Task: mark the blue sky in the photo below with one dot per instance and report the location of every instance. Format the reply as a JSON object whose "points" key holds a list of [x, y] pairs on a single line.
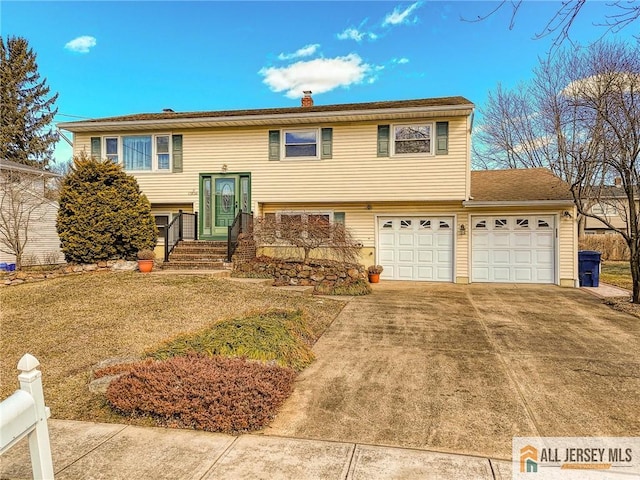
{"points": [[124, 57]]}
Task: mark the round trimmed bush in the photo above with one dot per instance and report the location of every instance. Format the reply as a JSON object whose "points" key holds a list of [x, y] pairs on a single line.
{"points": [[103, 214]]}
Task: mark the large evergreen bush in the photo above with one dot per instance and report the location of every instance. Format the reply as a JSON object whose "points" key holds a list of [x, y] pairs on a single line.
{"points": [[103, 214]]}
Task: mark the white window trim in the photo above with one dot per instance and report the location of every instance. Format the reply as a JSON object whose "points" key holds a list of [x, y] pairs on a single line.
{"points": [[283, 144], [154, 152], [392, 140]]}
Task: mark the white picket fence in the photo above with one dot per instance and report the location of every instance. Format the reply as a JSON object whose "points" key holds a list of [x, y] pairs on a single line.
{"points": [[24, 414]]}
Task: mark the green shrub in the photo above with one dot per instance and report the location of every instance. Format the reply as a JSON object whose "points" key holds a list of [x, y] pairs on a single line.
{"points": [[229, 395], [279, 336], [103, 214]]}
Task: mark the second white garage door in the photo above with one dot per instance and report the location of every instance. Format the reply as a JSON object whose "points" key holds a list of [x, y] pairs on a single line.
{"points": [[514, 249], [416, 248]]}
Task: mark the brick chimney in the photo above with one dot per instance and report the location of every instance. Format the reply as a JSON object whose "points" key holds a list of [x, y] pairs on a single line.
{"points": [[618, 182], [307, 101]]}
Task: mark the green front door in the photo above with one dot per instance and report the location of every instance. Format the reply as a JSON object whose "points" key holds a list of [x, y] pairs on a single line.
{"points": [[221, 198]]}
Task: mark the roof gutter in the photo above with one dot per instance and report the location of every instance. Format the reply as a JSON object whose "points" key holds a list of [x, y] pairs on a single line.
{"points": [[516, 203], [249, 120]]}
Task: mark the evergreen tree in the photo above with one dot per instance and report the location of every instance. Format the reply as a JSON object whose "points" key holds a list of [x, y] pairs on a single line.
{"points": [[26, 109], [103, 215]]}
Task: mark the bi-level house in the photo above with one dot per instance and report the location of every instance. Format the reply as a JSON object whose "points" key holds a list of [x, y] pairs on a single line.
{"points": [[397, 173]]}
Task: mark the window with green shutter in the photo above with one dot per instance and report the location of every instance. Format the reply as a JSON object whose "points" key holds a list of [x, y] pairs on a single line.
{"points": [[274, 144], [327, 143], [339, 217], [96, 147], [383, 140], [442, 138], [176, 143]]}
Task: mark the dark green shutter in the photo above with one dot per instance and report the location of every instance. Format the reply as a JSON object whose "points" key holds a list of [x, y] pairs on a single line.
{"points": [[442, 138], [96, 147], [327, 143], [177, 153], [338, 217], [274, 144], [383, 140]]}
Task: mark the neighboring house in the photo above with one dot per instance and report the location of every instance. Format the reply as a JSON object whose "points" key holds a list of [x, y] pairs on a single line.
{"points": [[612, 205], [397, 173], [26, 209]]}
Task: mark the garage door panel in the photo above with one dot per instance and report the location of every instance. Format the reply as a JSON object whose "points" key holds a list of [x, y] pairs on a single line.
{"points": [[501, 239], [513, 249], [544, 240], [522, 256], [406, 256], [502, 256], [405, 272], [481, 239], [425, 256], [501, 274], [522, 239], [425, 239], [386, 239], [523, 274], [425, 273], [416, 248], [387, 256], [405, 239]]}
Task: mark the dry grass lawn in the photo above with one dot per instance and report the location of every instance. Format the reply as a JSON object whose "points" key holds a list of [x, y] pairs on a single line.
{"points": [[616, 273], [72, 323]]}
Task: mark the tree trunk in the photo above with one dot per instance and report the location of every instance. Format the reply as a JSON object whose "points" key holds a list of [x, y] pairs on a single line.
{"points": [[634, 263]]}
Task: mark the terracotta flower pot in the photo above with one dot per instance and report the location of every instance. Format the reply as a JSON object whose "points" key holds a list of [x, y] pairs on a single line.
{"points": [[145, 266], [374, 278]]}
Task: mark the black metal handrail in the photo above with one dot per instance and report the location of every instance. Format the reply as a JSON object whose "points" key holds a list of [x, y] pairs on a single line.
{"points": [[182, 227], [243, 223]]}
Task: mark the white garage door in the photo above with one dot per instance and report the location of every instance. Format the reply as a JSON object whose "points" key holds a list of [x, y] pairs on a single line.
{"points": [[517, 249], [416, 248]]}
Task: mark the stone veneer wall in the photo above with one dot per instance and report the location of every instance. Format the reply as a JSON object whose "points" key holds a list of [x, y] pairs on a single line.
{"points": [[291, 272]]}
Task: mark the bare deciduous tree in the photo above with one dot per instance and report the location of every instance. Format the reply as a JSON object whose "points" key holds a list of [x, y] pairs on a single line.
{"points": [[580, 116], [621, 14], [306, 232], [21, 206]]}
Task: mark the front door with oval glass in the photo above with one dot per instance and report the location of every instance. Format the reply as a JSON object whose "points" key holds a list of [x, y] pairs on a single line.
{"points": [[222, 197]]}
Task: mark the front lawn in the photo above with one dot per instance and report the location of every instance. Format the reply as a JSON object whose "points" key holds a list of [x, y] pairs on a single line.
{"points": [[616, 273], [72, 323]]}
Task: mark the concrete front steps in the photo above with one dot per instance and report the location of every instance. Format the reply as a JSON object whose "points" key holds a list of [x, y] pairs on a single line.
{"points": [[198, 255]]}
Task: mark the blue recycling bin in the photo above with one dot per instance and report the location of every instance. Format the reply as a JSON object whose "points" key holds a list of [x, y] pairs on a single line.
{"points": [[589, 268]]}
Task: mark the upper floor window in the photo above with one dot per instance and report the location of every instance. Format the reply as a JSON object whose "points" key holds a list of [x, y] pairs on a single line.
{"points": [[301, 143], [412, 139], [139, 152]]}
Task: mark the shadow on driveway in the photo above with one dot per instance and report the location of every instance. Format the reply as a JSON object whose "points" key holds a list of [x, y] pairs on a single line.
{"points": [[464, 368]]}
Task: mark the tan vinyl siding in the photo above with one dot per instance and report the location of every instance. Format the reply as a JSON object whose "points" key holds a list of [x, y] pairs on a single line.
{"points": [[354, 173]]}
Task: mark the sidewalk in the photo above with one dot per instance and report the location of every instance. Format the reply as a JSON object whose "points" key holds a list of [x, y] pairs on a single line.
{"points": [[84, 450], [604, 290]]}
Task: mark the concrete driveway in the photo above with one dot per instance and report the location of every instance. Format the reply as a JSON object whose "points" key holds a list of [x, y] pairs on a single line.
{"points": [[464, 368]]}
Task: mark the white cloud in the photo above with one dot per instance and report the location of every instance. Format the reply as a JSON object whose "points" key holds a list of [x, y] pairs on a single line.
{"points": [[401, 61], [398, 16], [81, 44], [352, 33], [305, 51], [319, 75]]}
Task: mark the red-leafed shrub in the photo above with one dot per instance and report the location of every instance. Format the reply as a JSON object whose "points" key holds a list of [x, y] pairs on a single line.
{"points": [[216, 394]]}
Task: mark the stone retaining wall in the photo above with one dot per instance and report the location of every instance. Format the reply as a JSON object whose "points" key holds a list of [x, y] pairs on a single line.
{"points": [[290, 272], [17, 278]]}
